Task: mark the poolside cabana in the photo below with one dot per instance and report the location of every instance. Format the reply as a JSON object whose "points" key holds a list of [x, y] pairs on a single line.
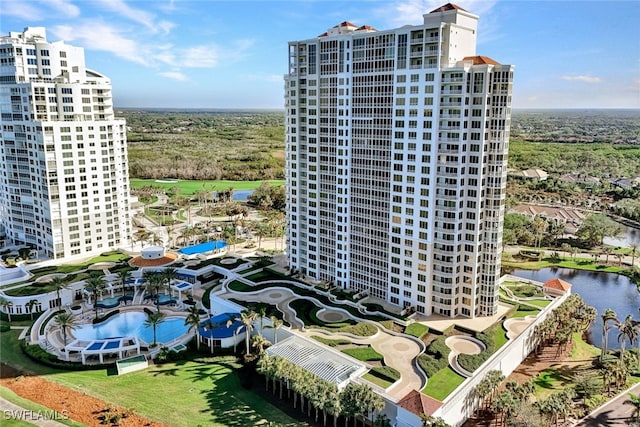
{"points": [[109, 348], [180, 286]]}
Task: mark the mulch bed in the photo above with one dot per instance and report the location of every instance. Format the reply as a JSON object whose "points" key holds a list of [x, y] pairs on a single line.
{"points": [[77, 405]]}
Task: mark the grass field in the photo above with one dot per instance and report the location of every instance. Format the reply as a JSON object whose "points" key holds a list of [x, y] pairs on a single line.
{"points": [[191, 187], [200, 391]]}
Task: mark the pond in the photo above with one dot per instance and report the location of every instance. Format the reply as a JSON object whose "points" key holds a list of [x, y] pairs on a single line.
{"points": [[600, 290], [625, 239]]}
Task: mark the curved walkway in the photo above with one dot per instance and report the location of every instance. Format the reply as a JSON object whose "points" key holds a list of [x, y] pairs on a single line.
{"points": [[399, 351]]}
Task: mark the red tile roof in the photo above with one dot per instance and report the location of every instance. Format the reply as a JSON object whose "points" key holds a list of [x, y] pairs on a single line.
{"points": [[448, 6], [366, 27], [481, 60], [558, 284], [345, 24], [419, 403]]}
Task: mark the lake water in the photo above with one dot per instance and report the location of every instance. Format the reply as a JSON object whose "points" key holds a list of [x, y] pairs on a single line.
{"points": [[630, 235], [600, 290], [241, 195]]}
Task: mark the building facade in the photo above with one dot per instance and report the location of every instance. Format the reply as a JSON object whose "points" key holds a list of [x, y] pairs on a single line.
{"points": [[396, 146], [64, 180]]}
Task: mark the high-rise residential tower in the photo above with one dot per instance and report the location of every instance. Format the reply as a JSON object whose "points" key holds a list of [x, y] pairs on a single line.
{"points": [[396, 147], [64, 180]]}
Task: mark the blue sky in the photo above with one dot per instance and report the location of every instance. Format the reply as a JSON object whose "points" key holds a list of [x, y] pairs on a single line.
{"points": [[233, 54]]}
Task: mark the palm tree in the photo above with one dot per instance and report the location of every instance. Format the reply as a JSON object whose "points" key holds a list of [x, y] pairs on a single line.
{"points": [[634, 249], [275, 324], [95, 285], [32, 303], [193, 320], [154, 284], [123, 277], [169, 274], [66, 321], [6, 305], [153, 320], [607, 250], [58, 283], [608, 316], [627, 331], [261, 314], [230, 321], [248, 318], [634, 402], [259, 342]]}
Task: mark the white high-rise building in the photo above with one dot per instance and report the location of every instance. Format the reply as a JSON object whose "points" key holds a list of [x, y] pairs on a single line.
{"points": [[396, 146], [64, 180]]}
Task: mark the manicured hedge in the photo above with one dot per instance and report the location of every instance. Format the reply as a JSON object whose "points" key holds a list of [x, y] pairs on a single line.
{"points": [[330, 342], [38, 354], [365, 354], [435, 358], [418, 330], [386, 373]]}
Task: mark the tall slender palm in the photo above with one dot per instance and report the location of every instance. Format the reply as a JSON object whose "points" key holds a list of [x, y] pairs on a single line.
{"points": [[608, 316], [123, 277], [193, 321], [155, 283], [30, 305], [248, 318], [634, 402], [95, 285], [627, 331], [6, 306], [153, 320], [230, 322], [634, 249], [261, 314], [275, 324], [58, 283], [169, 274], [66, 322]]}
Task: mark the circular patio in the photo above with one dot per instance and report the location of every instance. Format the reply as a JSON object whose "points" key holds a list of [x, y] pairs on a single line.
{"points": [[331, 316]]}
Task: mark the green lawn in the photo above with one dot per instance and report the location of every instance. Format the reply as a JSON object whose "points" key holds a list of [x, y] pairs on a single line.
{"points": [[416, 329], [364, 354], [377, 380], [206, 391], [191, 187], [442, 384]]}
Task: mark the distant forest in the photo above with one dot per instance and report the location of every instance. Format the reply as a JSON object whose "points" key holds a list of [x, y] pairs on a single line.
{"points": [[249, 145]]}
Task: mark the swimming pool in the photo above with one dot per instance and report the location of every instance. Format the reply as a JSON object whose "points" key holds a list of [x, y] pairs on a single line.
{"points": [[216, 327], [132, 324], [109, 302], [203, 247]]}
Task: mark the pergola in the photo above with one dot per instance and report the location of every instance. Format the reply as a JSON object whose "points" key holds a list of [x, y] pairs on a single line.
{"points": [[326, 363]]}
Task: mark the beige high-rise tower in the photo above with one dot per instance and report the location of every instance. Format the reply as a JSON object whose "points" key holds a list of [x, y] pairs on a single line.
{"points": [[396, 144]]}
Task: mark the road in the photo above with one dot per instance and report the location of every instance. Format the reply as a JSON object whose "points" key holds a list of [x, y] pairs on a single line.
{"points": [[613, 413]]}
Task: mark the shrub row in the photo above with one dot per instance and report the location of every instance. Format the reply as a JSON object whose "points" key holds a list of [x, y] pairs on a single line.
{"points": [[418, 330], [364, 354], [435, 358], [330, 342], [386, 373], [38, 354], [471, 362]]}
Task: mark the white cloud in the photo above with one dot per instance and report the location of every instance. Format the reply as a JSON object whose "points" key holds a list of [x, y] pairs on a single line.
{"points": [[405, 12], [21, 9], [175, 75], [582, 78], [199, 57], [64, 7], [101, 36], [137, 15]]}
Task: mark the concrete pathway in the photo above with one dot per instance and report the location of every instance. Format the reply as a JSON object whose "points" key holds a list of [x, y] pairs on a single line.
{"points": [[398, 351], [11, 411], [612, 413]]}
